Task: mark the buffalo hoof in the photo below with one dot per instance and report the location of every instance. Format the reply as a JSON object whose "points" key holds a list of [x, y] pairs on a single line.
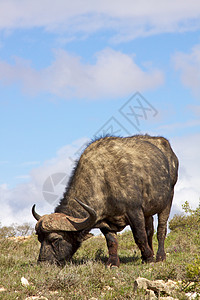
{"points": [[113, 262], [148, 260], [160, 256]]}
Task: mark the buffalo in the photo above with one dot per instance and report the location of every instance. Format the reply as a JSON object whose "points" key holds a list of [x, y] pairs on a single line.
{"points": [[116, 182]]}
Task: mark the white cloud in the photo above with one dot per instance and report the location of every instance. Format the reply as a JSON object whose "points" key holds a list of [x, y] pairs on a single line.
{"points": [[181, 125], [129, 19], [16, 203], [187, 187], [113, 75], [195, 109], [189, 67]]}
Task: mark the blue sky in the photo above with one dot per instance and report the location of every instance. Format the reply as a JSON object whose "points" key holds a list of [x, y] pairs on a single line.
{"points": [[66, 71]]}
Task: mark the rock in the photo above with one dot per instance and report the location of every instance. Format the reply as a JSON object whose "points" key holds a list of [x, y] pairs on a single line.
{"points": [[24, 281], [171, 285], [2, 289], [140, 283], [156, 285], [191, 295], [150, 295]]}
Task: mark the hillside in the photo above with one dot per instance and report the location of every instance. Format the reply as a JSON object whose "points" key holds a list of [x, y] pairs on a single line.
{"points": [[86, 276]]}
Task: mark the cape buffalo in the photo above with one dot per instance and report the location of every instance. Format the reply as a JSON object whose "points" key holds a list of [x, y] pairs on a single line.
{"points": [[116, 182]]}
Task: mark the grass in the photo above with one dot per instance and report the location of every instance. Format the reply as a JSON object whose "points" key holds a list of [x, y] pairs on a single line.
{"points": [[86, 276]]}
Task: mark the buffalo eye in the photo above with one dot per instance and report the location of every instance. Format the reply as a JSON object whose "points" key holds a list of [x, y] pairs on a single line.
{"points": [[56, 242], [53, 237]]}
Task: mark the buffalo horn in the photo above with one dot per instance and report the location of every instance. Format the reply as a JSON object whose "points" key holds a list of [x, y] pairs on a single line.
{"points": [[88, 222], [36, 216]]}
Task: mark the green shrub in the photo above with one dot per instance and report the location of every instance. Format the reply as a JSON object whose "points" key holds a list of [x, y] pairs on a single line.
{"points": [[193, 270], [192, 280], [189, 219]]}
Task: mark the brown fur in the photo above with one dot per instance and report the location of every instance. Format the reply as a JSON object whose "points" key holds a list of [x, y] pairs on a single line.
{"points": [[126, 181]]}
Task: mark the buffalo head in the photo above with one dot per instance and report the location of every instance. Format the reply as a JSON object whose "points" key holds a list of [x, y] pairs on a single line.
{"points": [[61, 235]]}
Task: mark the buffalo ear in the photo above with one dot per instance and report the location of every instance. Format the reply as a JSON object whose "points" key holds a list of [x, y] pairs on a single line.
{"points": [[83, 237]]}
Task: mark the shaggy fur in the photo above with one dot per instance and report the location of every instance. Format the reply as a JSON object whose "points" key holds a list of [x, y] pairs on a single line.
{"points": [[126, 181]]}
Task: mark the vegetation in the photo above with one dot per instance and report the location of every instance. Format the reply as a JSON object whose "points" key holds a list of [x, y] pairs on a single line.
{"points": [[16, 230], [86, 276]]}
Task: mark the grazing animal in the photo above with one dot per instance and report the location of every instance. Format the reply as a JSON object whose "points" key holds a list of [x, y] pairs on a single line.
{"points": [[116, 182]]}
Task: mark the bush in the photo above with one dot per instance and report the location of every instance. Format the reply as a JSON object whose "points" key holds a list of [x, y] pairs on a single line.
{"points": [[193, 270], [189, 219], [16, 230], [192, 278]]}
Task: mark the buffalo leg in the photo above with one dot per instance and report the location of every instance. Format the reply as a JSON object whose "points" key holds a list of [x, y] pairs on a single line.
{"points": [[149, 230], [137, 223], [162, 231], [112, 244]]}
